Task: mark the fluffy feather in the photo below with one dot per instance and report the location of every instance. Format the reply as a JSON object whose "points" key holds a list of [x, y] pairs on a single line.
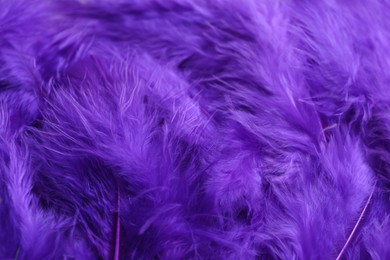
{"points": [[194, 129]]}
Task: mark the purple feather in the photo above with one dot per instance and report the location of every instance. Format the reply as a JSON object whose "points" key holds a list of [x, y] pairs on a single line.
{"points": [[194, 129]]}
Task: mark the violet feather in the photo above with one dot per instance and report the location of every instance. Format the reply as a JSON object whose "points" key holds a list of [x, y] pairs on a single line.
{"points": [[194, 129]]}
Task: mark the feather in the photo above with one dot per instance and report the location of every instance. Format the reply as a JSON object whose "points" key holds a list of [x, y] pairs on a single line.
{"points": [[118, 230], [358, 222], [180, 129]]}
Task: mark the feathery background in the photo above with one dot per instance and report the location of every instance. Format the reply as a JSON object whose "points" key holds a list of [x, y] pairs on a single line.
{"points": [[194, 129]]}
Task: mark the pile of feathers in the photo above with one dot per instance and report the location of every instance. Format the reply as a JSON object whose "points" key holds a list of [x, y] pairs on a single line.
{"points": [[194, 129]]}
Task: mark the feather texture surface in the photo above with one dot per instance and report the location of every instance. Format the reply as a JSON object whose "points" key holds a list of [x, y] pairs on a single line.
{"points": [[194, 129]]}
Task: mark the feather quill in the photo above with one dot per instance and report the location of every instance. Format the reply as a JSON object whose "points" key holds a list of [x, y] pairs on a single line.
{"points": [[118, 229], [357, 224]]}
